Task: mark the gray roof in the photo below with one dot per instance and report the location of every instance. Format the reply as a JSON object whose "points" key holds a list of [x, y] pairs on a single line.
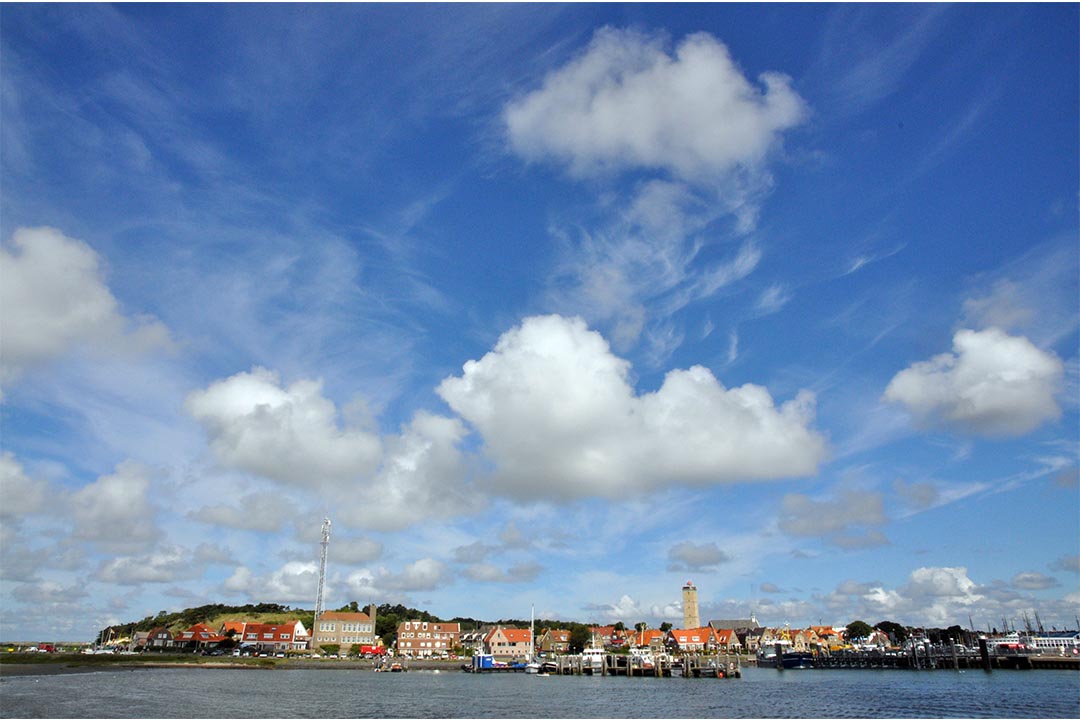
{"points": [[746, 624]]}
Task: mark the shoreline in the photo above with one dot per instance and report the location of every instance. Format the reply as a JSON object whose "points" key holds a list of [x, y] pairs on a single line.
{"points": [[60, 667]]}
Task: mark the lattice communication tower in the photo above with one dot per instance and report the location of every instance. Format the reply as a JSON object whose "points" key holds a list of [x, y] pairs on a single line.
{"points": [[322, 571]]}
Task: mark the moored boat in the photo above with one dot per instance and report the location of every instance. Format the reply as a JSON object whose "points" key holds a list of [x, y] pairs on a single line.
{"points": [[787, 658], [592, 660]]}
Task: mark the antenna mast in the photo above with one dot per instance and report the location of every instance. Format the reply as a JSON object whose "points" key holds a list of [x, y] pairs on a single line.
{"points": [[322, 571]]}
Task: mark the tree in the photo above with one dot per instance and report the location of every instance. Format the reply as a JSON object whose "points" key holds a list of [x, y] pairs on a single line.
{"points": [[579, 638], [330, 648], [665, 626], [858, 629], [898, 633], [641, 626], [620, 626]]}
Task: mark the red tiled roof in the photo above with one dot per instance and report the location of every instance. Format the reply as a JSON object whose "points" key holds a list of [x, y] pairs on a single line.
{"points": [[515, 635], [723, 637], [271, 632], [644, 637], [198, 633], [693, 635]]}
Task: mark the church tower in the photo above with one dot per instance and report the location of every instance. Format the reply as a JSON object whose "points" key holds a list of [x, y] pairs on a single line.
{"points": [[691, 619]]}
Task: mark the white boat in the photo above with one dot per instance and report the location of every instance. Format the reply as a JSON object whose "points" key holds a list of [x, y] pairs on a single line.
{"points": [[532, 667], [592, 660], [642, 657], [1065, 642]]}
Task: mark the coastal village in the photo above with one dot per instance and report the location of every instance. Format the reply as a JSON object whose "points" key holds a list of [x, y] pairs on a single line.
{"points": [[345, 634]]}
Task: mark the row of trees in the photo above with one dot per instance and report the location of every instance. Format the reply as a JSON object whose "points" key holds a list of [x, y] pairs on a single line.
{"points": [[899, 633]]}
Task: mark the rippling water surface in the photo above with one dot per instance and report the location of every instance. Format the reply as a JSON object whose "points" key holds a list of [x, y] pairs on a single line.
{"points": [[226, 693]]}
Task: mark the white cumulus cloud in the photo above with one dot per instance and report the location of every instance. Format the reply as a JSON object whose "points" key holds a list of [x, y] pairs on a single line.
{"points": [[53, 297], [423, 473], [19, 494], [169, 565], [289, 434], [293, 582], [559, 418], [991, 384], [627, 103], [295, 436], [422, 575], [116, 511]]}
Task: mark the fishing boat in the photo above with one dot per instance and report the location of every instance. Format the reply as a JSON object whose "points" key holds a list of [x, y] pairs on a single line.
{"points": [[592, 660], [787, 658], [642, 658]]}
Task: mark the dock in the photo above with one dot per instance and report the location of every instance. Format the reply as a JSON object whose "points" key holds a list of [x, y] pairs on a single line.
{"points": [[687, 666], [947, 659]]}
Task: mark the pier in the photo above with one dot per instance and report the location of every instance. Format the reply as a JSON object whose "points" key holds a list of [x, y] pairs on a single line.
{"points": [[942, 659], [687, 666]]}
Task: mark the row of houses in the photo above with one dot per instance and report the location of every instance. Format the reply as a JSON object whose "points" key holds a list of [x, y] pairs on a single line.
{"points": [[259, 637], [355, 632], [344, 629], [425, 639]]}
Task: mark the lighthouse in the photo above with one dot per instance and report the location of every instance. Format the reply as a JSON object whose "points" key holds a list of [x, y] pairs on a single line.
{"points": [[691, 619]]}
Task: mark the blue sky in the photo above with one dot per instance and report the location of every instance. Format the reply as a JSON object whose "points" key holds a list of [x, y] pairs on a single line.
{"points": [[552, 305]]}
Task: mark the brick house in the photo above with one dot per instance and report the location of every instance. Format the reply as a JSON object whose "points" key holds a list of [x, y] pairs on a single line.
{"points": [[273, 637], [604, 636], [197, 637], [159, 639], [554, 641], [655, 640], [726, 641], [420, 638], [508, 643], [692, 640], [344, 629]]}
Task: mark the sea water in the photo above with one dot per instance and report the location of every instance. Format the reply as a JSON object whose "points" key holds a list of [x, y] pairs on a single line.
{"points": [[310, 693]]}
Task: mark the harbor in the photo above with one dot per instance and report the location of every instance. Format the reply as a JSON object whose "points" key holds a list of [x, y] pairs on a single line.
{"points": [[321, 689]]}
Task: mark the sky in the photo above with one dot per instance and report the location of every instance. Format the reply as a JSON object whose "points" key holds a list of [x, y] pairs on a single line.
{"points": [[552, 306]]}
